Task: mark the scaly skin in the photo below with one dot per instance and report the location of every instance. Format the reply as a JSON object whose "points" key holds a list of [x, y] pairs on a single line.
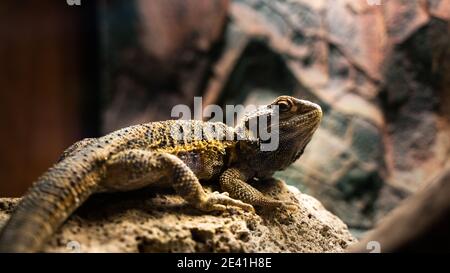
{"points": [[138, 156]]}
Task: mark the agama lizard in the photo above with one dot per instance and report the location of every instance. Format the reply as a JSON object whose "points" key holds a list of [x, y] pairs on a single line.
{"points": [[141, 155]]}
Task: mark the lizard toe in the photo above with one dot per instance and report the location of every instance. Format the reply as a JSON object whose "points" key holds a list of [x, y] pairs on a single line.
{"points": [[224, 200], [291, 206], [218, 207]]}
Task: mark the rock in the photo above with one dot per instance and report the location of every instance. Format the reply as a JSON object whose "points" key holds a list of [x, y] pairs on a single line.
{"points": [[428, 211], [145, 221], [155, 54], [379, 72]]}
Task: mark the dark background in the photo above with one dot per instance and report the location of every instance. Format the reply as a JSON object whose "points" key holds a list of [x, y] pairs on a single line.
{"points": [[49, 86]]}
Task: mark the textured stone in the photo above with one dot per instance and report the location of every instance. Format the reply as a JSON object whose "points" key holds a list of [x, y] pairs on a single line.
{"points": [[155, 55], [379, 73], [143, 221]]}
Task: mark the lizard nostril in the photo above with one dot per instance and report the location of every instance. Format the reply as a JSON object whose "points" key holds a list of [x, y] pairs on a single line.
{"points": [[306, 107]]}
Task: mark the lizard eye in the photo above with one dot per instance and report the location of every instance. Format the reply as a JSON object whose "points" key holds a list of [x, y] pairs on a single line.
{"points": [[284, 105]]}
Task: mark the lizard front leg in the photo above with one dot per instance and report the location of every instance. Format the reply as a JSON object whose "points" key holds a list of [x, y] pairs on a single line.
{"points": [[133, 169], [233, 182]]}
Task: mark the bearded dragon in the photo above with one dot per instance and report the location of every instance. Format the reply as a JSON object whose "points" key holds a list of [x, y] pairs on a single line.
{"points": [[141, 155]]}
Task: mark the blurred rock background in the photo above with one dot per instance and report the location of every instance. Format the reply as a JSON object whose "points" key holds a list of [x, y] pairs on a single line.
{"points": [[380, 72]]}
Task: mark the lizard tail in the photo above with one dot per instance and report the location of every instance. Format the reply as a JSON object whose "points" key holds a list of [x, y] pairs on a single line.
{"points": [[47, 204]]}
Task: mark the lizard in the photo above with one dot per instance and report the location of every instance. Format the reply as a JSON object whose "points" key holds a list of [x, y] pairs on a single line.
{"points": [[141, 155]]}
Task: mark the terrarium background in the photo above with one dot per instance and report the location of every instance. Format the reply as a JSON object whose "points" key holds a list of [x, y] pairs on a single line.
{"points": [[381, 74]]}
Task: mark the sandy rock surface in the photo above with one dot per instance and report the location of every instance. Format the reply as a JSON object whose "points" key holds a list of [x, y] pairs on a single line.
{"points": [[157, 220]]}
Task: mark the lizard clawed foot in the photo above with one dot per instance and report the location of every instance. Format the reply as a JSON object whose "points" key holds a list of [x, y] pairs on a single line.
{"points": [[291, 206], [220, 201]]}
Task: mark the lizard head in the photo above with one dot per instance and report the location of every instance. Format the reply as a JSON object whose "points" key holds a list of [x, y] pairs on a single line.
{"points": [[292, 121], [298, 120]]}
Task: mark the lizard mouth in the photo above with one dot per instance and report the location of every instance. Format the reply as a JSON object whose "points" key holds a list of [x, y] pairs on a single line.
{"points": [[309, 119]]}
